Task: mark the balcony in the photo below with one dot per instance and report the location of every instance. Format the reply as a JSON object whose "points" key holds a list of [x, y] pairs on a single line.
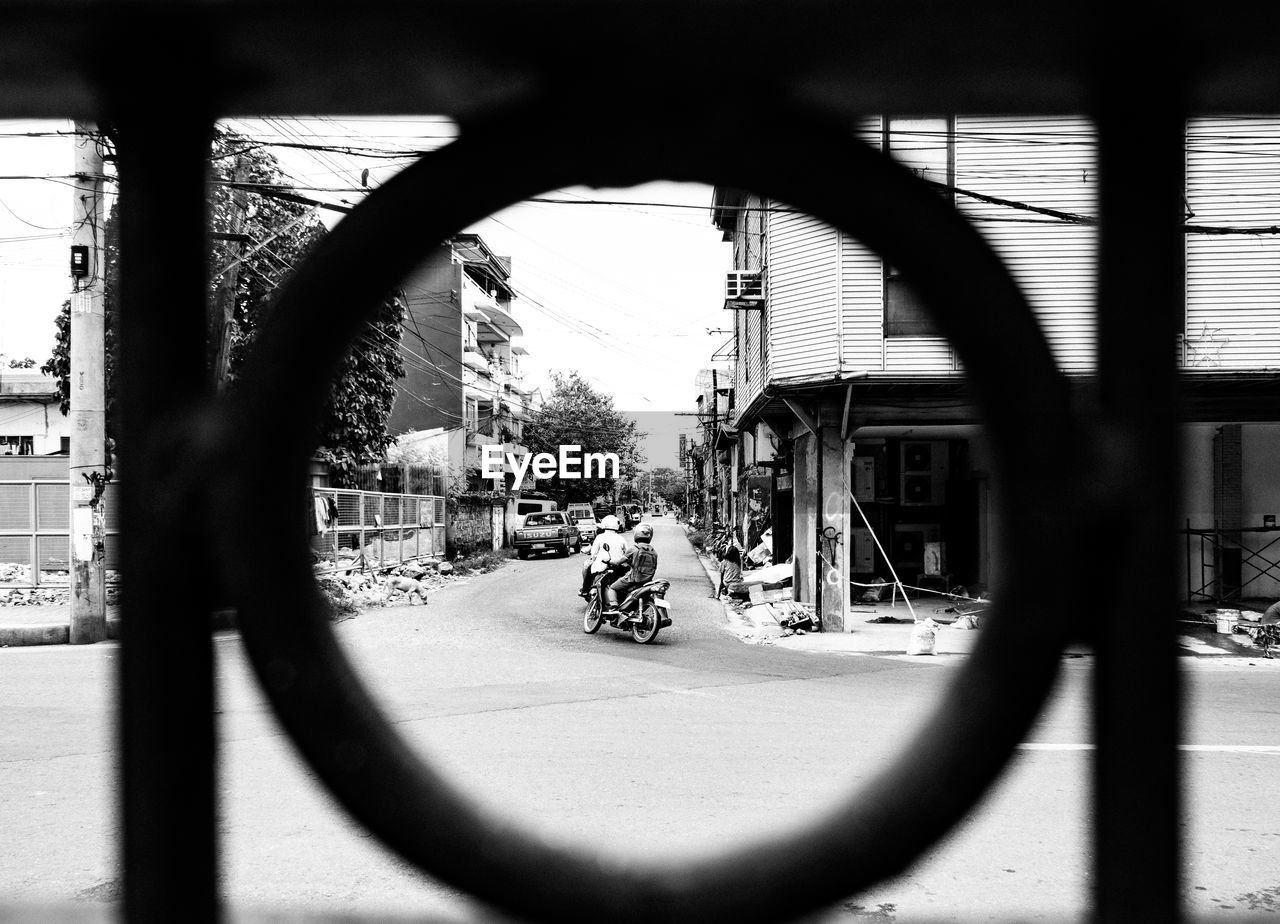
{"points": [[473, 357], [498, 324]]}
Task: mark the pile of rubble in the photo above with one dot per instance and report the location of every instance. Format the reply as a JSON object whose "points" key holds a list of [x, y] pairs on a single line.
{"points": [[54, 588], [373, 587]]}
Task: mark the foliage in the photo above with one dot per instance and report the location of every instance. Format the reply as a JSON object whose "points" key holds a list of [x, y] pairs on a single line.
{"points": [[339, 599], [577, 414], [482, 560], [666, 483], [697, 539], [25, 363], [353, 430]]}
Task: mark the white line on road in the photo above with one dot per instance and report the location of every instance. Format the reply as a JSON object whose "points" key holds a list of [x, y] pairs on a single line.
{"points": [[1215, 748]]}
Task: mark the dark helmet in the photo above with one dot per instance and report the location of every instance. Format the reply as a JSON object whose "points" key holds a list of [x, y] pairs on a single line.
{"points": [[643, 533]]}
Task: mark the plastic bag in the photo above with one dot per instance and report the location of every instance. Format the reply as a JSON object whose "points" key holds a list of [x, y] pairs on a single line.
{"points": [[924, 638]]}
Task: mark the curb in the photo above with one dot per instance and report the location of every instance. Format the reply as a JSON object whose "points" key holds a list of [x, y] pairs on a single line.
{"points": [[58, 633]]}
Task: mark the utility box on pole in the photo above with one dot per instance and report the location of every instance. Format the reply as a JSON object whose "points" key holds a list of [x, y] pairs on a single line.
{"points": [[88, 394]]}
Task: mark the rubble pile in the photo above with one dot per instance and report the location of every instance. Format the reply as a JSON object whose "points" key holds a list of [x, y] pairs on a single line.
{"points": [[368, 588], [54, 588]]}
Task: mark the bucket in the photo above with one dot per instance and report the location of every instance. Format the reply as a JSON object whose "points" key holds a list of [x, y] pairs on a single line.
{"points": [[1227, 623]]}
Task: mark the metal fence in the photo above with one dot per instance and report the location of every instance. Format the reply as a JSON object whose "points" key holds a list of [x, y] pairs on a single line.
{"points": [[572, 88], [35, 532], [368, 529]]}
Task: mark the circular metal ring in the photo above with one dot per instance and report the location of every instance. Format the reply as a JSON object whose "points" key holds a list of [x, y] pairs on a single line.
{"points": [[333, 720]]}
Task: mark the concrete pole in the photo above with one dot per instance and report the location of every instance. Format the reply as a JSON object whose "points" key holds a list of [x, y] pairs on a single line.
{"points": [[88, 397]]}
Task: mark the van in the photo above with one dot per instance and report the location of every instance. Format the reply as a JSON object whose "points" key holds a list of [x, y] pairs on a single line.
{"points": [[533, 505]]}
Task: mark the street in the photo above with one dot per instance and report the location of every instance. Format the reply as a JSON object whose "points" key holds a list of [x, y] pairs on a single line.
{"points": [[687, 745]]}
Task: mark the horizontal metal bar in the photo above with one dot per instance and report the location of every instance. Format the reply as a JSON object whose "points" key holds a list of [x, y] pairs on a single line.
{"points": [[986, 55]]}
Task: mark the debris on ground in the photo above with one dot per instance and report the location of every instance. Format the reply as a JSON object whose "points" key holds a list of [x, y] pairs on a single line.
{"points": [[923, 638]]}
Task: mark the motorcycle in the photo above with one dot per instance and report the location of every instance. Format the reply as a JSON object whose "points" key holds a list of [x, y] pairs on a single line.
{"points": [[646, 603]]}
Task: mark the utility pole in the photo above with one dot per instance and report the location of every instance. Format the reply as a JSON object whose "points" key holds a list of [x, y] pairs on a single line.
{"points": [[88, 394], [222, 319]]}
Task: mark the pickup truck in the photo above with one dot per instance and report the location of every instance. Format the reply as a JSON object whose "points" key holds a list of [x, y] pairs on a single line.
{"points": [[551, 531]]}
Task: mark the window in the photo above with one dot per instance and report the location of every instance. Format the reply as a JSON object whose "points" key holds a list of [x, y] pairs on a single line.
{"points": [[904, 311], [17, 445]]}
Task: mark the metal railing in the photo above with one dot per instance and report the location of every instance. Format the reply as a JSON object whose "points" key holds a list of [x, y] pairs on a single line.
{"points": [[370, 529], [35, 532], [553, 95]]}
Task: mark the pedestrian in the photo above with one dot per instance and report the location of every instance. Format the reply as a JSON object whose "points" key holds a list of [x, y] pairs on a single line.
{"points": [[1272, 615], [730, 577]]}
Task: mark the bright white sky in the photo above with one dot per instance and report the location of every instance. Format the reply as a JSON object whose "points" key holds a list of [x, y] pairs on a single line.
{"points": [[624, 294]]}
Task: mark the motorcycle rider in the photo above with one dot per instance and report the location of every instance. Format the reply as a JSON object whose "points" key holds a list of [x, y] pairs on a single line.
{"points": [[608, 554], [642, 564]]}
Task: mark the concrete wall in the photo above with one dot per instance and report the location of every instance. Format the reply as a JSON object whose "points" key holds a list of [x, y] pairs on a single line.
{"points": [[804, 495], [470, 526], [431, 391], [39, 419], [834, 515]]}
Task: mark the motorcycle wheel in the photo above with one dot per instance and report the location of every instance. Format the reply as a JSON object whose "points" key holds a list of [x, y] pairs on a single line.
{"points": [[592, 617], [645, 629]]}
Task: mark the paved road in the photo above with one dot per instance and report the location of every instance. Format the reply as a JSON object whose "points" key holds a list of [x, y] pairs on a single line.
{"points": [[678, 747]]}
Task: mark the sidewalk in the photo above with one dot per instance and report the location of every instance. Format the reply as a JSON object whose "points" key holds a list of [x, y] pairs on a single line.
{"points": [[885, 630]]}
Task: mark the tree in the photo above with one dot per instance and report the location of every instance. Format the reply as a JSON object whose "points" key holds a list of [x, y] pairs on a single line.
{"points": [[667, 483], [576, 414], [279, 235]]}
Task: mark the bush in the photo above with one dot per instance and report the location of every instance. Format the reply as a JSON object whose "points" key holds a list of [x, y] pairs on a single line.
{"points": [[698, 539], [483, 560]]}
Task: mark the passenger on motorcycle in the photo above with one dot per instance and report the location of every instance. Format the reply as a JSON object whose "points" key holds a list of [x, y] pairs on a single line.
{"points": [[608, 553], [642, 564]]}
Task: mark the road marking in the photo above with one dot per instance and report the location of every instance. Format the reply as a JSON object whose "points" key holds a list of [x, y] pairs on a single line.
{"points": [[1214, 748]]}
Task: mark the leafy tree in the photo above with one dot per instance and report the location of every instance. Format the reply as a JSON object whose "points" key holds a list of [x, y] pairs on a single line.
{"points": [[666, 483], [575, 414], [244, 279]]}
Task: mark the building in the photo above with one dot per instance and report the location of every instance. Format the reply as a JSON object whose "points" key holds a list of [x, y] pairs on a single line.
{"points": [[31, 421], [463, 388], [854, 413]]}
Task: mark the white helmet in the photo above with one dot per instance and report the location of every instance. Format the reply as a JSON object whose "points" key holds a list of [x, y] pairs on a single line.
{"points": [[611, 522]]}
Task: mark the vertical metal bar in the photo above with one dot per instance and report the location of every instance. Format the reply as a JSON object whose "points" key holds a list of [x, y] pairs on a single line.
{"points": [[166, 681], [1136, 683]]}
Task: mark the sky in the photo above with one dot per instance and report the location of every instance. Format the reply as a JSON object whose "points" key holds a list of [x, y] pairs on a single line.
{"points": [[625, 286]]}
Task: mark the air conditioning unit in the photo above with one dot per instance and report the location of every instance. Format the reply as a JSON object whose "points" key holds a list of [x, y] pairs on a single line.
{"points": [[741, 284]]}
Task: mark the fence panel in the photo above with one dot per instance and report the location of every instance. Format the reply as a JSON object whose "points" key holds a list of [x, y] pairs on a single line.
{"points": [[374, 529], [35, 532]]}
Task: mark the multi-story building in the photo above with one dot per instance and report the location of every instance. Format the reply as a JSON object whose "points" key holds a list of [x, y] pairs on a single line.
{"points": [[854, 412], [463, 388]]}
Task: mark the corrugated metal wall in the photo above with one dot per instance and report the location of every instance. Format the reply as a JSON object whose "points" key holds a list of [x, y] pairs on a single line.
{"points": [[803, 279], [1038, 165], [1233, 280], [749, 254], [1048, 163]]}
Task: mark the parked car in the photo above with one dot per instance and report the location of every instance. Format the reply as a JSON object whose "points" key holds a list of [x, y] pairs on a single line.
{"points": [[549, 531], [585, 519]]}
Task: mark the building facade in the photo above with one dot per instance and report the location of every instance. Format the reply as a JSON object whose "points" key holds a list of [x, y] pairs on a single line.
{"points": [[31, 422], [854, 413], [463, 387]]}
